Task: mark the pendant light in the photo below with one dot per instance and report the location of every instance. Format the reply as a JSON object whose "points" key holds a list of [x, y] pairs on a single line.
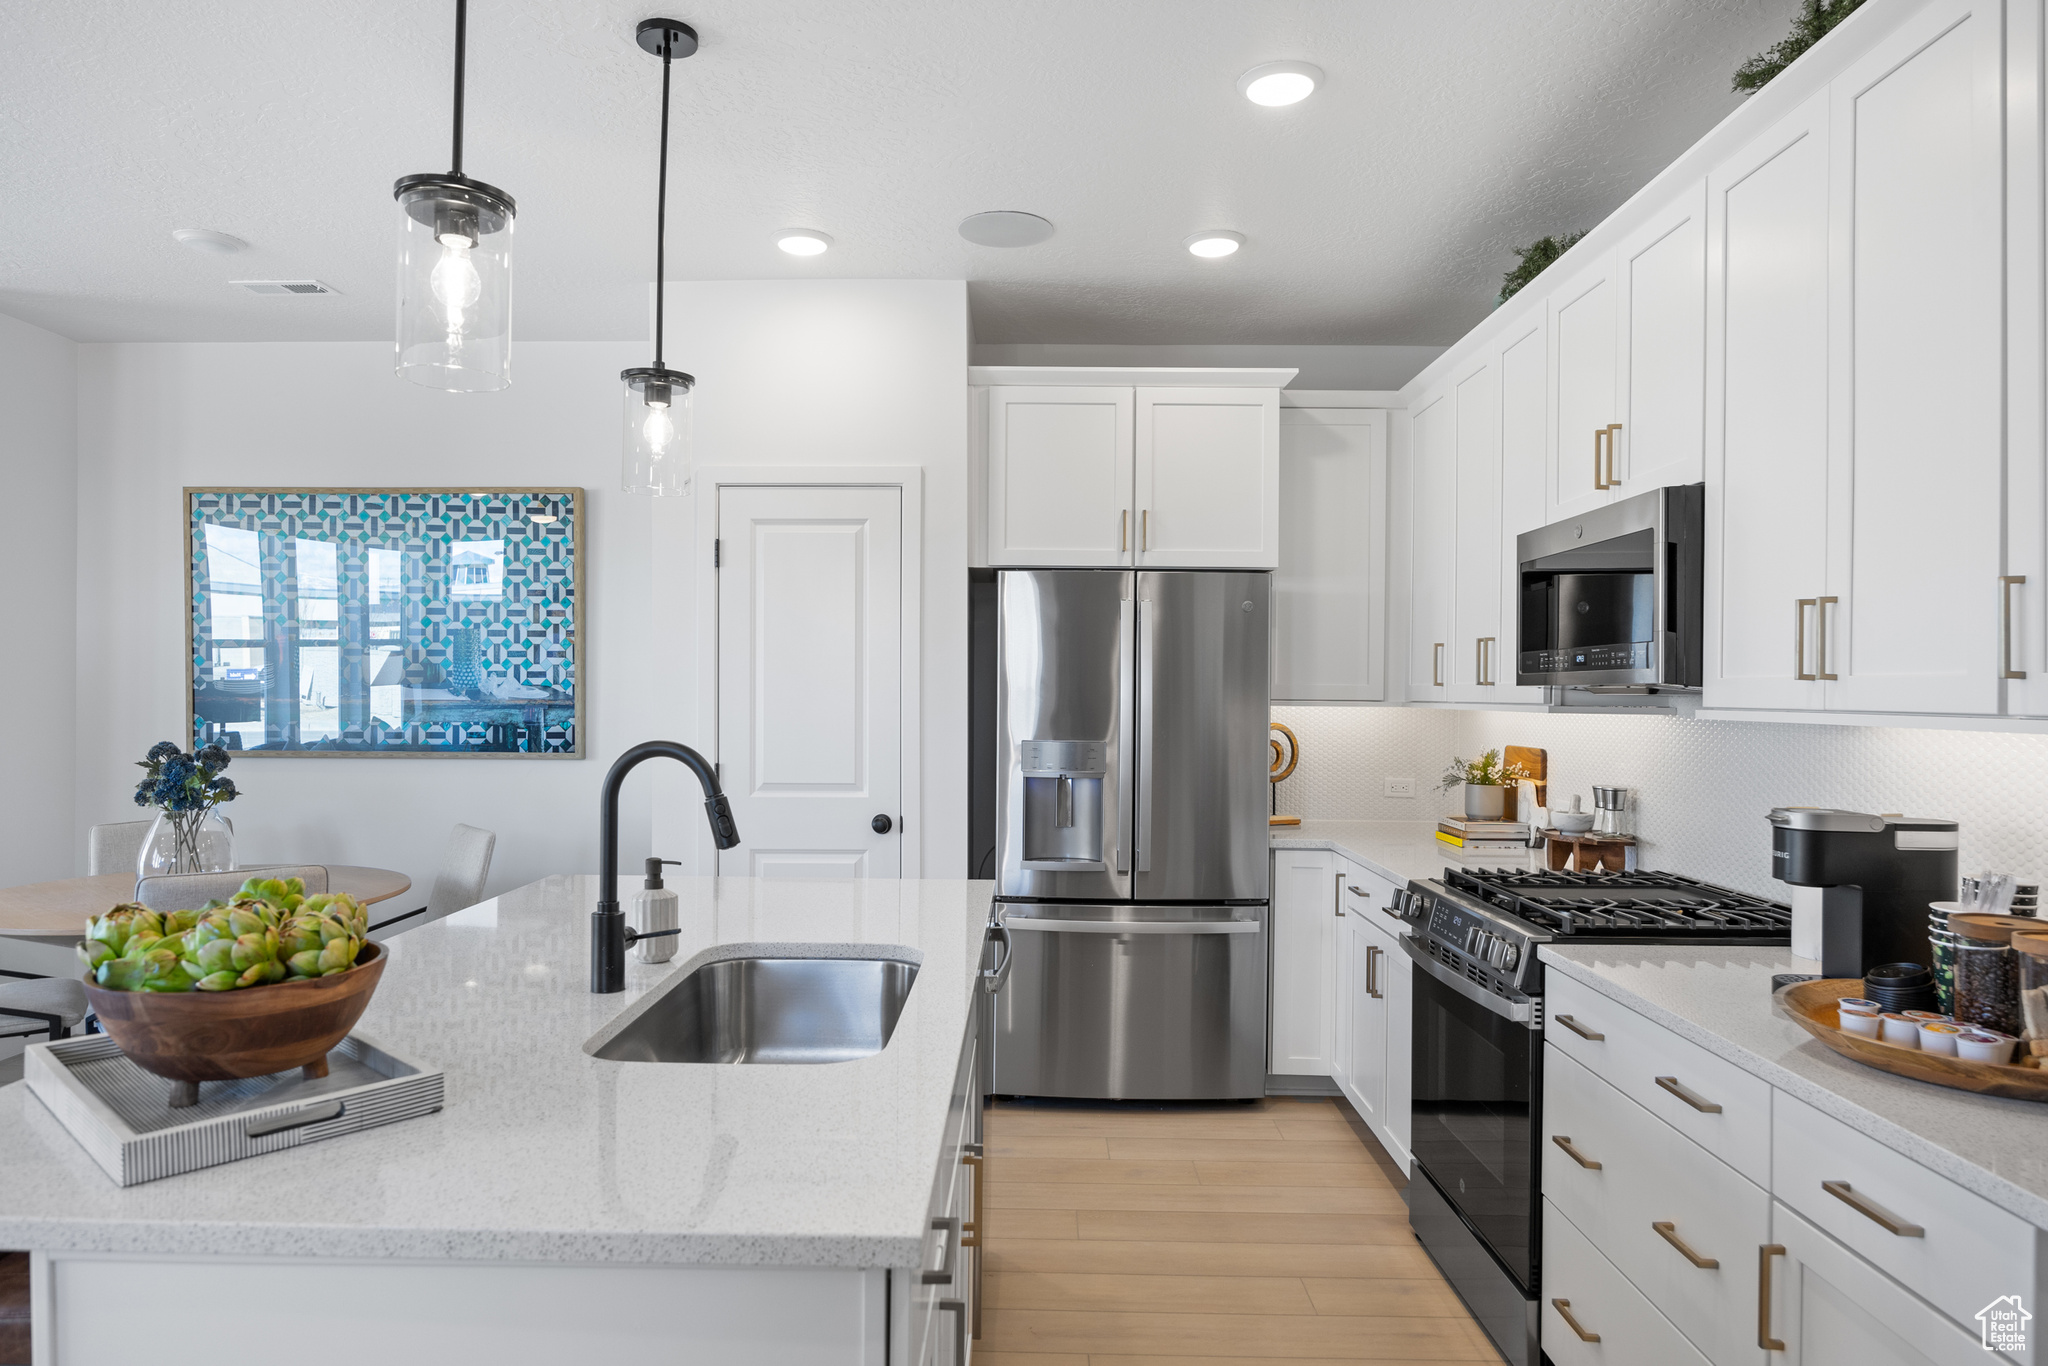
{"points": [[657, 429], [454, 269]]}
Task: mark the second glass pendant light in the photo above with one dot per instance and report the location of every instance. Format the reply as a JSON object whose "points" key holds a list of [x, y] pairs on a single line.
{"points": [[657, 421]]}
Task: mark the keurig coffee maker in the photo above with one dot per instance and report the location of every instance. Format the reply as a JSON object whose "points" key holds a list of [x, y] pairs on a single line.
{"points": [[1876, 875]]}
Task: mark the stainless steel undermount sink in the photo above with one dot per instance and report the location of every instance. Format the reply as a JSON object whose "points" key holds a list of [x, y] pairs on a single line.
{"points": [[770, 1010]]}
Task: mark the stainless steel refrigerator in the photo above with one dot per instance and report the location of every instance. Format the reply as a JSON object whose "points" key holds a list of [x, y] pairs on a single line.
{"points": [[1131, 836]]}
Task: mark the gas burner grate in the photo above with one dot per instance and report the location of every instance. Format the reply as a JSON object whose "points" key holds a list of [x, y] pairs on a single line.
{"points": [[1625, 905]]}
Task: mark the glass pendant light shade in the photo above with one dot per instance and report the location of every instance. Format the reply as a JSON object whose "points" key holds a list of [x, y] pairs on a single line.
{"points": [[657, 431], [454, 283]]}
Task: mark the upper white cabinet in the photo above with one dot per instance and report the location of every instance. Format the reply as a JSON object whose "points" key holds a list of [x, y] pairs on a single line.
{"points": [[1329, 597], [1584, 403], [1661, 351], [1208, 478], [1432, 532], [1106, 474], [1524, 420], [1858, 363], [1475, 653], [1059, 475]]}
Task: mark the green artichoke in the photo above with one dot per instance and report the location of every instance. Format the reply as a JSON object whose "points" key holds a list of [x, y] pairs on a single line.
{"points": [[343, 907], [319, 945], [283, 895], [269, 931]]}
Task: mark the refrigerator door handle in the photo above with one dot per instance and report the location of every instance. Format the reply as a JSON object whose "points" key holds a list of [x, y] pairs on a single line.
{"points": [[1145, 710], [1126, 701]]}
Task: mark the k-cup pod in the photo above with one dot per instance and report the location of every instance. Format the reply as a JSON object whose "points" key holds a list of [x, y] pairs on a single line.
{"points": [[1902, 1030], [1856, 1022], [1939, 1037], [1984, 1045]]}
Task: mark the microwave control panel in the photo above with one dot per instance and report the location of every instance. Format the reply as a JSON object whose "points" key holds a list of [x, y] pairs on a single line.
{"points": [[1636, 655]]}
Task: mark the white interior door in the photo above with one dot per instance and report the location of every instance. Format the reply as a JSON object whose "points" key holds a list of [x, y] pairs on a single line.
{"points": [[810, 679]]}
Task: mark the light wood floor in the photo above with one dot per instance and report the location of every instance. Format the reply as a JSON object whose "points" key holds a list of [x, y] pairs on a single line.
{"points": [[1252, 1234]]}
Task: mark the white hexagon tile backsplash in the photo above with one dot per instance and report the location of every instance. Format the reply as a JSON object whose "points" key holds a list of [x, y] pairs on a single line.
{"points": [[1703, 788]]}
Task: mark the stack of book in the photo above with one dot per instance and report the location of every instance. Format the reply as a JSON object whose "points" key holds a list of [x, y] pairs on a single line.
{"points": [[1484, 837]]}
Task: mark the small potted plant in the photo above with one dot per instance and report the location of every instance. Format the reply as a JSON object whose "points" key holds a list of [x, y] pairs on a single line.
{"points": [[1487, 781]]}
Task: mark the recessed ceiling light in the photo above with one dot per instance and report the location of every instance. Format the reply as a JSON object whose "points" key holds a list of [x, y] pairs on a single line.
{"points": [[207, 240], [802, 241], [1215, 242], [1278, 83], [1005, 228]]}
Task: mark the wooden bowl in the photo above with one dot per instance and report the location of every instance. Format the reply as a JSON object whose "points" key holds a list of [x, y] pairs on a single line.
{"points": [[195, 1036], [1812, 1007]]}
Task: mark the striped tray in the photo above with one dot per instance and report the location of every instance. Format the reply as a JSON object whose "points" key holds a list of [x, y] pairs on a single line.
{"points": [[121, 1114]]}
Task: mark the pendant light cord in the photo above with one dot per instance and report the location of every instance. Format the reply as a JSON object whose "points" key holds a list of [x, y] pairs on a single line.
{"points": [[661, 204], [461, 47]]}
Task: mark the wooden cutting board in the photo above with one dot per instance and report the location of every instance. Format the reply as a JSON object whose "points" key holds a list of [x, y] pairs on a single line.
{"points": [[1536, 763]]}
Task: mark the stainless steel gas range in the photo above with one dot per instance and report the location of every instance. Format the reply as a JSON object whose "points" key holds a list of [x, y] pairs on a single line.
{"points": [[1473, 1198]]}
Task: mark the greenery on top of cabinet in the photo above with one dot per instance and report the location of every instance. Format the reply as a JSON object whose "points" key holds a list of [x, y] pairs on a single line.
{"points": [[1816, 19], [1535, 257]]}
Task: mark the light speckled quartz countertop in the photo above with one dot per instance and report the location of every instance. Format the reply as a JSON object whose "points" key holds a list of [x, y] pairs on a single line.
{"points": [[1397, 850], [545, 1153], [1720, 998]]}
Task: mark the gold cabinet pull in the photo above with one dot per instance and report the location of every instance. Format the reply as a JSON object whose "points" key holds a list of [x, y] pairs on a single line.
{"points": [[1599, 479], [1482, 661], [1820, 607], [1591, 1035], [2005, 587], [1613, 480], [1689, 1096], [1436, 665], [1145, 529], [1871, 1210], [1564, 1141], [1763, 1296], [1799, 640], [1564, 1311], [970, 1232], [1668, 1231], [1123, 530]]}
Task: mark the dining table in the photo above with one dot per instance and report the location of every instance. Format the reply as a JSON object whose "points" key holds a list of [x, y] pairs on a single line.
{"points": [[59, 909]]}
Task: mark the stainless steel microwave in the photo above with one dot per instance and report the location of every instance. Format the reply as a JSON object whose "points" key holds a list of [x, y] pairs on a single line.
{"points": [[1613, 599]]}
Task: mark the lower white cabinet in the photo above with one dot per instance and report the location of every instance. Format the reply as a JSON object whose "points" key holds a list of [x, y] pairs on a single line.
{"points": [[1374, 1007], [1303, 1032], [1828, 1307], [1592, 1316]]}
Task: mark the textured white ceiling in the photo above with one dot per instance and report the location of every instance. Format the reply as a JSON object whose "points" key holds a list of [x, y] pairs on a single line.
{"points": [[1379, 211]]}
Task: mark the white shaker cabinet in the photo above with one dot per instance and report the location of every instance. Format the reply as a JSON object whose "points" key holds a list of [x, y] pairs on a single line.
{"points": [[1303, 1026], [1660, 271], [1432, 534], [1825, 1306], [1329, 596], [1208, 478], [1059, 475], [1916, 362], [1524, 420], [1767, 491], [1475, 647], [1584, 396]]}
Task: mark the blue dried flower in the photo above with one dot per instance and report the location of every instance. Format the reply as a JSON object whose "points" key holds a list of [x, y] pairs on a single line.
{"points": [[213, 758], [161, 750], [179, 767], [142, 795], [223, 790]]}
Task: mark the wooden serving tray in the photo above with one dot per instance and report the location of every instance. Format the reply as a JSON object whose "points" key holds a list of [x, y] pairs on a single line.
{"points": [[1811, 1005]]}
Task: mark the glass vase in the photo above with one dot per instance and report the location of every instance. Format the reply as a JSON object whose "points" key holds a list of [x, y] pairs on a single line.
{"points": [[187, 842]]}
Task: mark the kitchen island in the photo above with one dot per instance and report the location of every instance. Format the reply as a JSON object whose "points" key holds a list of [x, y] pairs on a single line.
{"points": [[560, 1207]]}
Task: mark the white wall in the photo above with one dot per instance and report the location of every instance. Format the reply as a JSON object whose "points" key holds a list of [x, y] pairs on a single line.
{"points": [[829, 372], [155, 417], [39, 566]]}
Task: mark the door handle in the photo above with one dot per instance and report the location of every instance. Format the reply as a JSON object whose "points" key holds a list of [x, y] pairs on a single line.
{"points": [[1436, 665], [1564, 1141], [1123, 530], [1146, 708], [1613, 479], [1763, 1296], [1821, 622], [1127, 738], [949, 1252], [1871, 1210], [1799, 640], [1484, 664], [1372, 971], [970, 1232], [1599, 479], [2005, 586], [1590, 1035], [1668, 1231], [1688, 1095], [882, 825], [1145, 529], [1337, 899], [958, 1309], [1564, 1311], [1053, 924]]}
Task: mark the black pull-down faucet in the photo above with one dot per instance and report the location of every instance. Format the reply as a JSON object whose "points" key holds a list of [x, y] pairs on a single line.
{"points": [[608, 933]]}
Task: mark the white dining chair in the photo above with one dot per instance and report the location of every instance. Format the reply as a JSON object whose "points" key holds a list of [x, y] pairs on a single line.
{"points": [[41, 1005], [465, 866], [116, 847], [190, 891]]}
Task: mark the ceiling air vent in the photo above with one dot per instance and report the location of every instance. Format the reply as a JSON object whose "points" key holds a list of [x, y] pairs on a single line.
{"points": [[284, 286]]}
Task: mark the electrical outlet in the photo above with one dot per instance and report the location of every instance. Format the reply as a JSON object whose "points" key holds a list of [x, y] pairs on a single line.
{"points": [[1400, 787]]}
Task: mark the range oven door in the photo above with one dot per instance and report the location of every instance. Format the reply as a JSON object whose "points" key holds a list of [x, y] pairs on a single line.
{"points": [[1476, 1092]]}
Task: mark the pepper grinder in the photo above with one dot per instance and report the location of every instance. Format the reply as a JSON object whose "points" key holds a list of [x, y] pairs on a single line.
{"points": [[657, 911]]}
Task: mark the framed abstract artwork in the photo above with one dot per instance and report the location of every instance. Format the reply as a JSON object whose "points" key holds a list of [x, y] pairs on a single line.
{"points": [[379, 622]]}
